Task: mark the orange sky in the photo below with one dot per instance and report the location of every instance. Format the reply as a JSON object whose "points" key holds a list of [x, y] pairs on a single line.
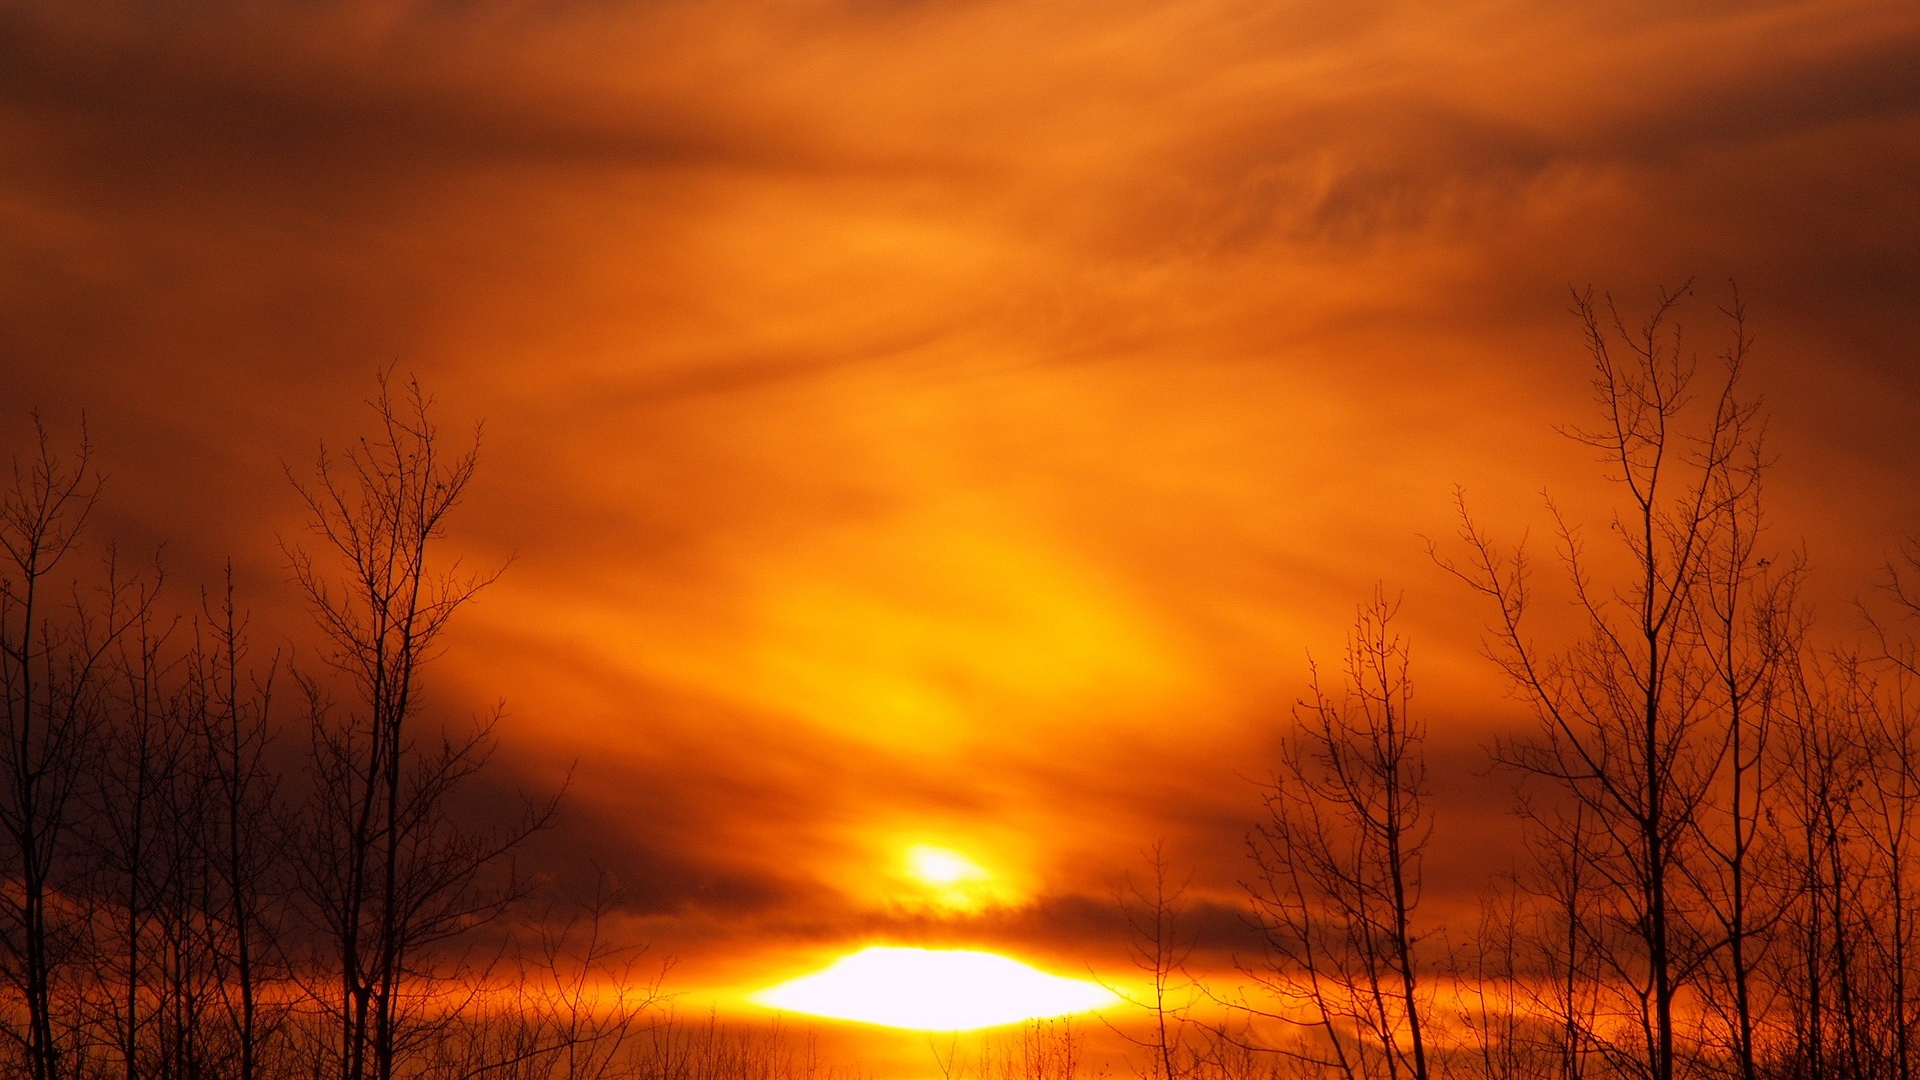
{"points": [[943, 421]]}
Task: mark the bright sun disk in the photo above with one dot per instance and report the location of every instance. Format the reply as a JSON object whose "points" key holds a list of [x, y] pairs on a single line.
{"points": [[943, 868], [934, 990]]}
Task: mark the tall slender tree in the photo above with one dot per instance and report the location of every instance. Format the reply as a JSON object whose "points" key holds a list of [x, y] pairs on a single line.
{"points": [[1337, 866], [1753, 627], [232, 733], [1159, 944], [54, 651], [1630, 727], [388, 872]]}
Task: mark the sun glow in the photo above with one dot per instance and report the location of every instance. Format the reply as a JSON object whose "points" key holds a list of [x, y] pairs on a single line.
{"points": [[943, 869], [934, 990], [947, 881]]}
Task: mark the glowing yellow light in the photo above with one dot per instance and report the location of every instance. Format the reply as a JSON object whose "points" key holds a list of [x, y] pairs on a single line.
{"points": [[942, 868], [934, 990]]}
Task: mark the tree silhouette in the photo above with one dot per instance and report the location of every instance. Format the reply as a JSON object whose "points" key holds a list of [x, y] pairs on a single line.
{"points": [[1337, 865], [387, 872]]}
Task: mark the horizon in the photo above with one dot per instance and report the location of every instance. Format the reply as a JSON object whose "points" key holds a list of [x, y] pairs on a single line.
{"points": [[931, 449]]}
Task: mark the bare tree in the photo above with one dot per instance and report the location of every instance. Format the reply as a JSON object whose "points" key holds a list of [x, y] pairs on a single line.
{"points": [[1822, 759], [1337, 864], [569, 1008], [179, 875], [1493, 994], [1528, 983], [387, 871], [231, 731], [53, 652], [1752, 630], [1894, 798], [141, 830], [1042, 1050], [1159, 946], [1629, 728]]}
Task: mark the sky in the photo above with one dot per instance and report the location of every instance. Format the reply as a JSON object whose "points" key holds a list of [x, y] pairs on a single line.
{"points": [[946, 423]]}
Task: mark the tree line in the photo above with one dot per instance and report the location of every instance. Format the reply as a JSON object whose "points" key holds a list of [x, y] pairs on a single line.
{"points": [[1719, 807], [219, 864]]}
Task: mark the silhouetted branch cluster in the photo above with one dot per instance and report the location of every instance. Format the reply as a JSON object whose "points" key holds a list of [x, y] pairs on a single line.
{"points": [[1337, 867], [1719, 813], [187, 891]]}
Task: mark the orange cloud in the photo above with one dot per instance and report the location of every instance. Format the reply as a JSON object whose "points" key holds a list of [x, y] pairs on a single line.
{"points": [[941, 422]]}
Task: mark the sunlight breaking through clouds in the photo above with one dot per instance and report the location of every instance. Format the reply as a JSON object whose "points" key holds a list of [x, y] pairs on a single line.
{"points": [[934, 990], [943, 869]]}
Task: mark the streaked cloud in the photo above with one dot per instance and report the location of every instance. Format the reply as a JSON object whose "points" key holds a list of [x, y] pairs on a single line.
{"points": [[942, 423]]}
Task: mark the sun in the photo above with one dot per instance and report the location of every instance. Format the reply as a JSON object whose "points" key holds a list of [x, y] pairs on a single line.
{"points": [[943, 869], [947, 881], [934, 990]]}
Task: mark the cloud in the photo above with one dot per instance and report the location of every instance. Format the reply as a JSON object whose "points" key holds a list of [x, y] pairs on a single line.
{"points": [[940, 422]]}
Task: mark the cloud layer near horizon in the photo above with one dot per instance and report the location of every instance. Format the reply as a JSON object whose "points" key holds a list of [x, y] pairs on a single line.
{"points": [[942, 422]]}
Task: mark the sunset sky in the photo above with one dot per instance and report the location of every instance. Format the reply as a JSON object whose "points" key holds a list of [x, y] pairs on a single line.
{"points": [[945, 424]]}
